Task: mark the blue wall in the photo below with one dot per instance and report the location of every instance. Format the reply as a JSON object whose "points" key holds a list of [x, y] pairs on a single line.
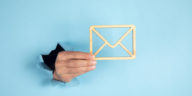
{"points": [[163, 65]]}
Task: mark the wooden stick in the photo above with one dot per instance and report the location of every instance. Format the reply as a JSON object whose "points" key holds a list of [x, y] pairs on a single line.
{"points": [[134, 42], [100, 36], [113, 26], [100, 49], [91, 49], [125, 49], [113, 58]]}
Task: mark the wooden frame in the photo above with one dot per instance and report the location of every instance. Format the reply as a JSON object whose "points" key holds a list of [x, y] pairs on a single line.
{"points": [[131, 28]]}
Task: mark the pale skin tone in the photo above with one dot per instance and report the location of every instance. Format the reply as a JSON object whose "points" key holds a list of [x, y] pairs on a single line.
{"points": [[70, 64]]}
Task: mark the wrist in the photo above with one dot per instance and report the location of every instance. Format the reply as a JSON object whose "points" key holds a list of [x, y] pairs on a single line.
{"points": [[55, 77]]}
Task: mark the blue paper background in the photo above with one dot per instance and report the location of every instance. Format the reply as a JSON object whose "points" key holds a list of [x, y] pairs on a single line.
{"points": [[163, 65]]}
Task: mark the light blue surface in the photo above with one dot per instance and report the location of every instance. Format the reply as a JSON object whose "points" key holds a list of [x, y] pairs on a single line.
{"points": [[163, 64]]}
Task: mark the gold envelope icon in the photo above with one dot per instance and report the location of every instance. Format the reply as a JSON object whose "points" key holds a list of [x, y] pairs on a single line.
{"points": [[131, 29]]}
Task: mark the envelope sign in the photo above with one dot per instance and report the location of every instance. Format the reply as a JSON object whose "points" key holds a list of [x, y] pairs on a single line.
{"points": [[132, 54]]}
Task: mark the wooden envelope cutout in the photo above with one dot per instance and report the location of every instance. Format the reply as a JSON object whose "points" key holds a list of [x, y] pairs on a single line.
{"points": [[131, 29]]}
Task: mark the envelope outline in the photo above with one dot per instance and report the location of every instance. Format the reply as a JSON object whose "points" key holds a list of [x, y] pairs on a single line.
{"points": [[131, 29]]}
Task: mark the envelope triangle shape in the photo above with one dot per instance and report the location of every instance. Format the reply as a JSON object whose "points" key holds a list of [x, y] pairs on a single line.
{"points": [[112, 35], [118, 42]]}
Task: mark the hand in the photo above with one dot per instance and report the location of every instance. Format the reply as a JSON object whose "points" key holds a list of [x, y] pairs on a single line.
{"points": [[71, 64]]}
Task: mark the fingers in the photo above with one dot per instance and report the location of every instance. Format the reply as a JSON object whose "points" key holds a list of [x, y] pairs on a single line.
{"points": [[81, 69], [75, 55], [77, 74], [70, 64], [75, 63], [75, 70], [80, 63]]}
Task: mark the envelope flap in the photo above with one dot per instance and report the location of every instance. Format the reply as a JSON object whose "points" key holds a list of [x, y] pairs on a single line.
{"points": [[121, 35], [112, 35]]}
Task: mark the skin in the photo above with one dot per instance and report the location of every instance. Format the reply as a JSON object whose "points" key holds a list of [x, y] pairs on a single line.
{"points": [[70, 64]]}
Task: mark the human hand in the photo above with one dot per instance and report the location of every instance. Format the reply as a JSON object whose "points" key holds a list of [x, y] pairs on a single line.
{"points": [[70, 64]]}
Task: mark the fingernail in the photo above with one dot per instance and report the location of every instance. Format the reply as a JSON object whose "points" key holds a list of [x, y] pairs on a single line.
{"points": [[93, 62], [92, 67], [93, 56]]}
